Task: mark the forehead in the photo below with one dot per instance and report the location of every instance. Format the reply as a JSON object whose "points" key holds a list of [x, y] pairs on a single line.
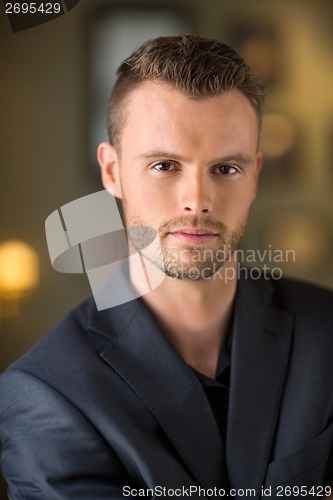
{"points": [[157, 112]]}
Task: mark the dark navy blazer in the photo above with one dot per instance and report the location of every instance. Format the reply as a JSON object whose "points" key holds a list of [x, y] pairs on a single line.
{"points": [[104, 401]]}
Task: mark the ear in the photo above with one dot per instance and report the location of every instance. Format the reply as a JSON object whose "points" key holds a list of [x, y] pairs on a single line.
{"points": [[257, 170], [109, 162], [258, 165]]}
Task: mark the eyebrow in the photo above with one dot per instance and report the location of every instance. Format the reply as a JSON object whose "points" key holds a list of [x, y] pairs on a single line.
{"points": [[151, 155], [236, 157]]}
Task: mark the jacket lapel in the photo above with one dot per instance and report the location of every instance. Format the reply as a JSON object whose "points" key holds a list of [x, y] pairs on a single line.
{"points": [[146, 360], [260, 353]]}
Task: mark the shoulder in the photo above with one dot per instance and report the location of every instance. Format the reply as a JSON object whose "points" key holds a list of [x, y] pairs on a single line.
{"points": [[310, 307], [48, 362], [287, 293], [74, 344], [66, 368], [69, 335], [304, 288], [302, 297]]}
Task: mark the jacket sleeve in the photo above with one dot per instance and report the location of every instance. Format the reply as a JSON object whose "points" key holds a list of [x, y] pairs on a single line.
{"points": [[50, 449]]}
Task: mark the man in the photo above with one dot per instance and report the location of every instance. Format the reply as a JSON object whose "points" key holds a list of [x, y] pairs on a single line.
{"points": [[212, 383]]}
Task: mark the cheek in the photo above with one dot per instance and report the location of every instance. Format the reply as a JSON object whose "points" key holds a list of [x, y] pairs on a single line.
{"points": [[140, 203], [146, 196], [142, 200], [235, 204]]}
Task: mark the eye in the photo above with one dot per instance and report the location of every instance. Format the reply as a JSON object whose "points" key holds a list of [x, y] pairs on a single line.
{"points": [[165, 166], [225, 170]]}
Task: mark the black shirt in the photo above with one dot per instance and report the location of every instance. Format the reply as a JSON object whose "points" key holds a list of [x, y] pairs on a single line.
{"points": [[217, 390]]}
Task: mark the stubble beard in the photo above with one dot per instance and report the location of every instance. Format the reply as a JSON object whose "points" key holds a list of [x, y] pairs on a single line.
{"points": [[181, 261]]}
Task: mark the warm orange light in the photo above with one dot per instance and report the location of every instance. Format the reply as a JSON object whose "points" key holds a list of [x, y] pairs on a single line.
{"points": [[19, 269]]}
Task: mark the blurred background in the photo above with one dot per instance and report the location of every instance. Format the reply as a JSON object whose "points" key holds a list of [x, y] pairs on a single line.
{"points": [[55, 82]]}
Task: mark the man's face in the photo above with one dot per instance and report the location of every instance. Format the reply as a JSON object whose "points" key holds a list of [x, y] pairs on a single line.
{"points": [[188, 169]]}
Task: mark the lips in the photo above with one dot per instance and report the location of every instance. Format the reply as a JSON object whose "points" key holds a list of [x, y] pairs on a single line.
{"points": [[196, 236]]}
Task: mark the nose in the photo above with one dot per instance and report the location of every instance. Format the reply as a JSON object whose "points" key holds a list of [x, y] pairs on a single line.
{"points": [[196, 194]]}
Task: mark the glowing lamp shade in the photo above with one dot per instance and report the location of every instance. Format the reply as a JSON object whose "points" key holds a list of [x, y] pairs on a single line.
{"points": [[19, 269]]}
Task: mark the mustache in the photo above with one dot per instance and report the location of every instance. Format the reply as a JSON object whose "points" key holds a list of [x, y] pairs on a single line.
{"points": [[194, 222]]}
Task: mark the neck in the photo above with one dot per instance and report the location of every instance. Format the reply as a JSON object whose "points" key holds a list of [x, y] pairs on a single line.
{"points": [[196, 315]]}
